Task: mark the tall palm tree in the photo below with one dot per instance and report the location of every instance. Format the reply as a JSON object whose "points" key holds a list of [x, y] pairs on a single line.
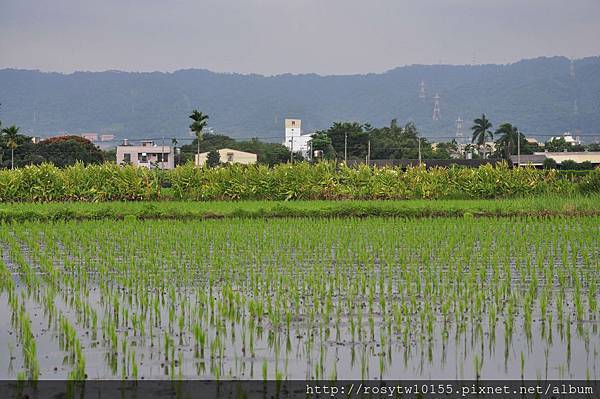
{"points": [[11, 134], [509, 139], [199, 123], [481, 131]]}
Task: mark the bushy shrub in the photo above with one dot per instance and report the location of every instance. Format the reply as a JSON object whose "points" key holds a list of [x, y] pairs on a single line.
{"points": [[591, 182]]}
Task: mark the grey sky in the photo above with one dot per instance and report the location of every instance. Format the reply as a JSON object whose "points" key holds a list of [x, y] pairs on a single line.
{"points": [[278, 36]]}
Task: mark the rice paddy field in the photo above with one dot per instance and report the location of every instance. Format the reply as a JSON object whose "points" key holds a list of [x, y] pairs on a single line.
{"points": [[301, 298]]}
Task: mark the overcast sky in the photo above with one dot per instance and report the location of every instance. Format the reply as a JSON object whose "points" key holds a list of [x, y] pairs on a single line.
{"points": [[296, 36]]}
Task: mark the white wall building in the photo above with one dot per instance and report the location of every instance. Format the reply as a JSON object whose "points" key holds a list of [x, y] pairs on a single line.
{"points": [[295, 141], [148, 155], [227, 155]]}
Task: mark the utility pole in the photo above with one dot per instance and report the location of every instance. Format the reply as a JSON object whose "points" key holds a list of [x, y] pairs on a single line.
{"points": [[369, 153], [419, 139], [162, 156], [346, 148], [292, 150], [519, 149]]}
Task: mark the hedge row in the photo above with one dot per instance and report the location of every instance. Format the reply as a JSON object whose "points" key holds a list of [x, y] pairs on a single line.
{"points": [[110, 182]]}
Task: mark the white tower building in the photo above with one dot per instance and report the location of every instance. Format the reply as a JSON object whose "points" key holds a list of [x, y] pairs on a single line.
{"points": [[295, 141]]}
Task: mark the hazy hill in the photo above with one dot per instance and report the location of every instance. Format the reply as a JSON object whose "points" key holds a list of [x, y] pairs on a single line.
{"points": [[537, 95]]}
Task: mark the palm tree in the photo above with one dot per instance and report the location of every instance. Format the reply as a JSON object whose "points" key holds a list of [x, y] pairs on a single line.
{"points": [[11, 133], [197, 126], [481, 131], [509, 140]]}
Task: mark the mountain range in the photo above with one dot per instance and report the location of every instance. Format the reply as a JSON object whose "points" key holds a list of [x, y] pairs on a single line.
{"points": [[541, 96]]}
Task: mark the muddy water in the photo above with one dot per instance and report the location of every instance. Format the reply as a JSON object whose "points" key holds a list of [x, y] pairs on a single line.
{"points": [[450, 358]]}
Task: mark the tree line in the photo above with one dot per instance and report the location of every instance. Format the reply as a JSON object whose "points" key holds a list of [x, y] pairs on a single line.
{"points": [[341, 141]]}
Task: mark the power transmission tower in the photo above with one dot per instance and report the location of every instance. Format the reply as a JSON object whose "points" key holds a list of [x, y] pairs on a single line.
{"points": [[572, 69], [422, 94], [436, 107], [459, 127]]}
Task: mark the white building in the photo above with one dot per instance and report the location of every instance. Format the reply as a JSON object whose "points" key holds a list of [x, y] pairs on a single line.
{"points": [[227, 155], [148, 155], [295, 141]]}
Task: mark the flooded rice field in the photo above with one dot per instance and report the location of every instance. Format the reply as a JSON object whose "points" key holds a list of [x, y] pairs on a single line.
{"points": [[301, 299]]}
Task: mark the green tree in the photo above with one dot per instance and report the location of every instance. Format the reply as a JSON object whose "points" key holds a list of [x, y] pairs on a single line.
{"points": [[481, 132], [593, 147], [569, 164], [199, 121], [445, 150], [11, 136], [549, 163], [558, 145], [321, 141], [353, 134], [213, 159], [509, 141], [67, 150]]}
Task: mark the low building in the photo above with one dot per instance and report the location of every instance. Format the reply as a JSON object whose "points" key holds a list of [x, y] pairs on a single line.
{"points": [[107, 137], [90, 136], [227, 155], [537, 158], [147, 154]]}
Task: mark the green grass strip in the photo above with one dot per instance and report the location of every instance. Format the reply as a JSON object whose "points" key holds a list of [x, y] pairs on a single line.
{"points": [[531, 206]]}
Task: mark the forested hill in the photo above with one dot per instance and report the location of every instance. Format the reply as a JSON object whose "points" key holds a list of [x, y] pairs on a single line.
{"points": [[539, 96]]}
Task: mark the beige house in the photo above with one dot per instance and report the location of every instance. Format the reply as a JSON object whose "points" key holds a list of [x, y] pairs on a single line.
{"points": [[148, 155], [229, 156], [538, 158]]}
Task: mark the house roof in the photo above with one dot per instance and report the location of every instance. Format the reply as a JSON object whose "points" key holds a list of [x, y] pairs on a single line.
{"points": [[229, 150], [532, 159]]}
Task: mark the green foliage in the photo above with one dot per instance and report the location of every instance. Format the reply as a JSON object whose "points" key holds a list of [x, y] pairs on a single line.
{"points": [[561, 145], [591, 182], [67, 150], [213, 159], [46, 182], [481, 130], [325, 180], [388, 142], [321, 141], [569, 164], [550, 163]]}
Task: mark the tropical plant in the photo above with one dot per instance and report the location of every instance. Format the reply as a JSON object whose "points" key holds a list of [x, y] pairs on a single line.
{"points": [[509, 141], [11, 134], [199, 123], [481, 132]]}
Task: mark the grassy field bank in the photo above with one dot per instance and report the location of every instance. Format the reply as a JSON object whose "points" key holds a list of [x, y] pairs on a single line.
{"points": [[530, 206]]}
